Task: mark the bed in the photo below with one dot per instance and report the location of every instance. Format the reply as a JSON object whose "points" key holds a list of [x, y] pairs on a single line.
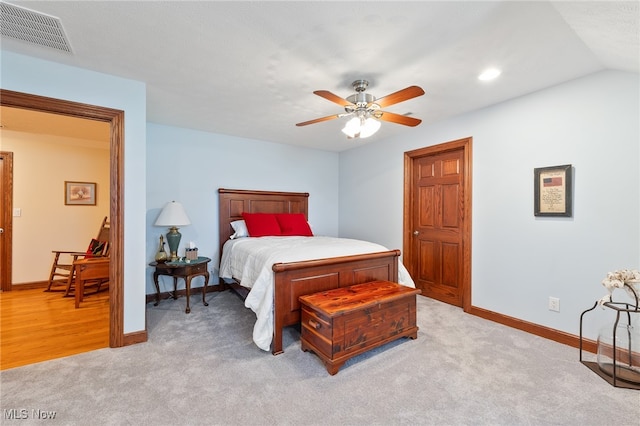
{"points": [[297, 278]]}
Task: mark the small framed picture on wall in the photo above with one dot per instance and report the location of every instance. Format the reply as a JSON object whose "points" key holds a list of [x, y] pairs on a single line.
{"points": [[79, 193], [552, 191]]}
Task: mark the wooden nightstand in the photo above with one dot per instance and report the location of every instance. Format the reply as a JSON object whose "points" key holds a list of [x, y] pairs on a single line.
{"points": [[184, 270]]}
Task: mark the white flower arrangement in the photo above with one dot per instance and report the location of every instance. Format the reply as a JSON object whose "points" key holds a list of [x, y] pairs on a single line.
{"points": [[618, 279]]}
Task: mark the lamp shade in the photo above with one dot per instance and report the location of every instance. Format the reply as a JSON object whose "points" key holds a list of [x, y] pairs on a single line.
{"points": [[352, 128], [361, 127], [370, 126], [173, 214]]}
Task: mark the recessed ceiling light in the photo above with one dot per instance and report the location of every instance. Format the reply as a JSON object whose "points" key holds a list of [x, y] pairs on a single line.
{"points": [[489, 74]]}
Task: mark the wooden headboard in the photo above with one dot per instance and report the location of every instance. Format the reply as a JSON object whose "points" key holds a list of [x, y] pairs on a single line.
{"points": [[233, 202]]}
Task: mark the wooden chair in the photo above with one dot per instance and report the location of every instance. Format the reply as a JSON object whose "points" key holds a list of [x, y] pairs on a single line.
{"points": [[86, 273], [63, 260]]}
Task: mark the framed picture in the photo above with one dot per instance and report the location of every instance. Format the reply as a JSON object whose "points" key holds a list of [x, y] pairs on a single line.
{"points": [[80, 193], [552, 191]]}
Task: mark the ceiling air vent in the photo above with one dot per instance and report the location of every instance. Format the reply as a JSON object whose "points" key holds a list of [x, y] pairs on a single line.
{"points": [[33, 27]]}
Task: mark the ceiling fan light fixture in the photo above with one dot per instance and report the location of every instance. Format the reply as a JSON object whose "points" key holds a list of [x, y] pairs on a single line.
{"points": [[361, 127], [370, 126], [352, 128], [365, 110]]}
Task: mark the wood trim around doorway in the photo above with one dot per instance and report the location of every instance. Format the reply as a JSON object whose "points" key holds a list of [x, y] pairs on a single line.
{"points": [[116, 211], [464, 144], [6, 254]]}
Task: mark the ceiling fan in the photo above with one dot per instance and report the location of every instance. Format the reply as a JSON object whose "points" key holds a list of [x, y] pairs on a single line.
{"points": [[366, 109]]}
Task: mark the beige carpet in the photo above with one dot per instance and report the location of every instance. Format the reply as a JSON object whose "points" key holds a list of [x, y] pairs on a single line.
{"points": [[203, 368]]}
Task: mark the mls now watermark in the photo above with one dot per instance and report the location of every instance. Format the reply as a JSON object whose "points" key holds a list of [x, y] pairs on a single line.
{"points": [[24, 414]]}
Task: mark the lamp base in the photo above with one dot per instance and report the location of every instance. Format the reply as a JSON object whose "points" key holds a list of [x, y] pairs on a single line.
{"points": [[173, 238]]}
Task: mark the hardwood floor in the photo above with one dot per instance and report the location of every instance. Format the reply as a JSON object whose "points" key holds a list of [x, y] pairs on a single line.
{"points": [[38, 326]]}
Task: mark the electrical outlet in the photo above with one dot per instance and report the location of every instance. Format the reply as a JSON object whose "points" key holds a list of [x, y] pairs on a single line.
{"points": [[554, 304]]}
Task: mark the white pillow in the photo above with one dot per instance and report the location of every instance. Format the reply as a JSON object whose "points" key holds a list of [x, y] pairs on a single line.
{"points": [[240, 228]]}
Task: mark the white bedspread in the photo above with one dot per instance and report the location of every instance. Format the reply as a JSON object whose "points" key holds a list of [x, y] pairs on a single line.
{"points": [[250, 260]]}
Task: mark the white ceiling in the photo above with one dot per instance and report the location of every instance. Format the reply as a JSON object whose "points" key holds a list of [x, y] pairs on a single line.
{"points": [[248, 69], [76, 131]]}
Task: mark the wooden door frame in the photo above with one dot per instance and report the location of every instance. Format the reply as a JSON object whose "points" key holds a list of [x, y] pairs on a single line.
{"points": [[115, 117], [6, 253], [407, 226]]}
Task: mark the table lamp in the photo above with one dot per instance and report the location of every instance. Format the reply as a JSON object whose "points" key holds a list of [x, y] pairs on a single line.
{"points": [[173, 216]]}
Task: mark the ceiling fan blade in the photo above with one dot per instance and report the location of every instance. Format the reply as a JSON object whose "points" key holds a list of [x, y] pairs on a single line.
{"points": [[399, 96], [319, 120], [333, 98], [399, 119]]}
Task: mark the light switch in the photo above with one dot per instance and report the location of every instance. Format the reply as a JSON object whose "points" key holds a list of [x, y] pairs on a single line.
{"points": [[17, 212]]}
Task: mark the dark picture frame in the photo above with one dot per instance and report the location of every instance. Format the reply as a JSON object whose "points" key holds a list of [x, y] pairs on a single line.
{"points": [[79, 193], [553, 191]]}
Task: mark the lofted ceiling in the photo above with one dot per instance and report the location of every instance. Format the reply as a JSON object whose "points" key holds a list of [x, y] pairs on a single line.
{"points": [[248, 69]]}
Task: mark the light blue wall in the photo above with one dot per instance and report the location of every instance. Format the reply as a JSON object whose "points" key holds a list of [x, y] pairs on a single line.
{"points": [[29, 75], [189, 166], [519, 260]]}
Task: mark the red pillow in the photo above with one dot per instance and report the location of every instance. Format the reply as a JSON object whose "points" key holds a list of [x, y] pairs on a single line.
{"points": [[96, 248], [294, 224], [261, 224]]}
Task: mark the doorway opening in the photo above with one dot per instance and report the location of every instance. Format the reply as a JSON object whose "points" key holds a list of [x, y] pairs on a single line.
{"points": [[116, 186]]}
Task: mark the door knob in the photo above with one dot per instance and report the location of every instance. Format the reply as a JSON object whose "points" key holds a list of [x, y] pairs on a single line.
{"points": [[1, 230], [416, 232]]}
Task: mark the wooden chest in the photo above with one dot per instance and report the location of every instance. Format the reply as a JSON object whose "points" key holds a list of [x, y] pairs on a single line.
{"points": [[342, 323]]}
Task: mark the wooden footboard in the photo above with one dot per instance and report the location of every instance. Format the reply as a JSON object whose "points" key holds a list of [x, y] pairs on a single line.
{"points": [[296, 279]]}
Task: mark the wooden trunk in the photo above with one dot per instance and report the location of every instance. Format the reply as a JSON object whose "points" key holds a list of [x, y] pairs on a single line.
{"points": [[342, 323]]}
